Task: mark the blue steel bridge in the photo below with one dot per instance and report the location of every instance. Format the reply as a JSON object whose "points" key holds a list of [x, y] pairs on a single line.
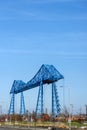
{"points": [[47, 74]]}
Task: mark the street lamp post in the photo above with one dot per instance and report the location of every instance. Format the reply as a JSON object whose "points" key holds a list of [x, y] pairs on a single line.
{"points": [[69, 120]]}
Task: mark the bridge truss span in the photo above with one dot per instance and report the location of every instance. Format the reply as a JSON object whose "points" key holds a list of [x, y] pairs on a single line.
{"points": [[47, 74]]}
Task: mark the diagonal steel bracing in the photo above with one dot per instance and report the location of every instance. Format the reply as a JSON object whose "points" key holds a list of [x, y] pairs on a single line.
{"points": [[22, 104], [39, 106], [47, 74], [55, 100]]}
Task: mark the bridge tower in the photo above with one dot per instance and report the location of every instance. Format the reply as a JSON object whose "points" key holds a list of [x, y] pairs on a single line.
{"points": [[55, 100], [12, 104], [17, 84], [39, 106], [22, 104]]}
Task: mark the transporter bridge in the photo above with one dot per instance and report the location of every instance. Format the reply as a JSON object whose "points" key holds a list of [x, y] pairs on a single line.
{"points": [[47, 74]]}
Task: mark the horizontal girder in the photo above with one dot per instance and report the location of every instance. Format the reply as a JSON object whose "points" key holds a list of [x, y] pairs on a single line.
{"points": [[47, 74]]}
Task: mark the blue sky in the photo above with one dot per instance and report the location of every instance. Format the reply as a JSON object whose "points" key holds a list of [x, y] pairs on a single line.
{"points": [[36, 32]]}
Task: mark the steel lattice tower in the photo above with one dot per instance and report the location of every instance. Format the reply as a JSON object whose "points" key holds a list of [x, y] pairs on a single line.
{"points": [[39, 106], [55, 100], [22, 104], [17, 84], [12, 104]]}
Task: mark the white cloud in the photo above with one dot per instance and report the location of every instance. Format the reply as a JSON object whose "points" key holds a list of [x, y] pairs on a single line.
{"points": [[61, 54]]}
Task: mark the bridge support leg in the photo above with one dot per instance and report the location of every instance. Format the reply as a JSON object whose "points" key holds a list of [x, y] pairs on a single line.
{"points": [[55, 101], [12, 104], [22, 104], [39, 107]]}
